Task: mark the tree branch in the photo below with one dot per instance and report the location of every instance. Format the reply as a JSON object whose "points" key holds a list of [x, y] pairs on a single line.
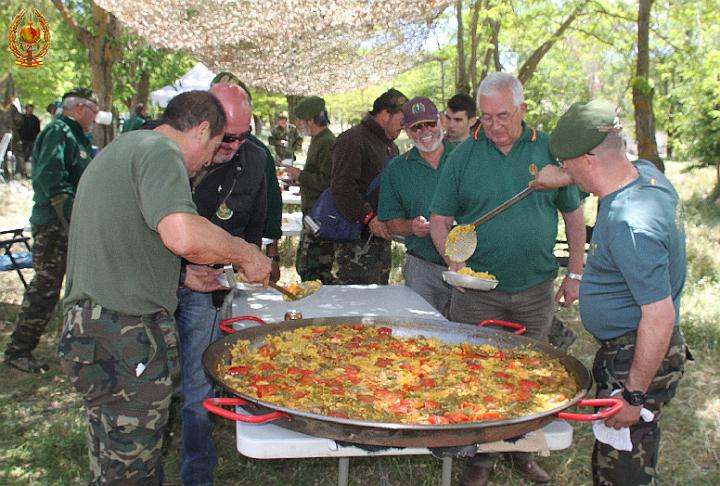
{"points": [[82, 34]]}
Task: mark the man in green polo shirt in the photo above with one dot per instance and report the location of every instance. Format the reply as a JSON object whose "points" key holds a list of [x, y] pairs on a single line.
{"points": [[407, 188], [503, 155], [315, 256], [61, 154]]}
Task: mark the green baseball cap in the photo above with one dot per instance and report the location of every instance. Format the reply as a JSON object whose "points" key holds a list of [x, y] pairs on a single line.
{"points": [[582, 128], [309, 107], [230, 78], [83, 93], [391, 100]]}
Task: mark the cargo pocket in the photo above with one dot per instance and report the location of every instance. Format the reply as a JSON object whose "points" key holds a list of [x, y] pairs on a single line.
{"points": [[77, 357]]}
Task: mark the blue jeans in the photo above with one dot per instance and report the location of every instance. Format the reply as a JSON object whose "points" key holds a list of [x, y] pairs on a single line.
{"points": [[197, 321]]}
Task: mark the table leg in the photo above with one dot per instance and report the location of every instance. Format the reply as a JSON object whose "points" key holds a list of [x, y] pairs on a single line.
{"points": [[344, 470], [446, 471]]}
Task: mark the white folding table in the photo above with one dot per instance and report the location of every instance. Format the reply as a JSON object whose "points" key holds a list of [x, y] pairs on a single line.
{"points": [[269, 441]]}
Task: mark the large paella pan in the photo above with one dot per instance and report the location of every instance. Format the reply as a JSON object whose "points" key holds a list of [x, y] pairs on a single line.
{"points": [[218, 356]]}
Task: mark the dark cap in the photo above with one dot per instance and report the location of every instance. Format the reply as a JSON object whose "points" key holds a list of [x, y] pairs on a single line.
{"points": [[84, 93], [419, 110], [391, 100], [230, 78], [309, 107], [582, 128]]}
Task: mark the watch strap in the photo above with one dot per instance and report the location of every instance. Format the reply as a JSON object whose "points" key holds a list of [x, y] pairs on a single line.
{"points": [[634, 398]]}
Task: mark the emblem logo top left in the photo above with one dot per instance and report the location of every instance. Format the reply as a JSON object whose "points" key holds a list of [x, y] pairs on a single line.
{"points": [[29, 42]]}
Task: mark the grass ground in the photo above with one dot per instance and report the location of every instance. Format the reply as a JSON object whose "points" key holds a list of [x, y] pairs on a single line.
{"points": [[42, 423]]}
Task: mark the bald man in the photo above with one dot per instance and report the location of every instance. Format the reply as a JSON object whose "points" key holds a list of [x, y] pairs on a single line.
{"points": [[231, 193]]}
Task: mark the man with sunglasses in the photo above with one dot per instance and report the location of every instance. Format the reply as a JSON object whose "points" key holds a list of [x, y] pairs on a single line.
{"points": [[231, 194], [516, 246], [62, 152], [408, 185]]}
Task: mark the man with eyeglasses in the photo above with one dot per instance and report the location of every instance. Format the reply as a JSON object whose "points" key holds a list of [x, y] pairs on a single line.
{"points": [[407, 188], [460, 117], [61, 153], [231, 194], [517, 245], [359, 157]]}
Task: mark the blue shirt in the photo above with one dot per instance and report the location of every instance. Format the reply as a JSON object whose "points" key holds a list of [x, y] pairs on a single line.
{"points": [[636, 256]]}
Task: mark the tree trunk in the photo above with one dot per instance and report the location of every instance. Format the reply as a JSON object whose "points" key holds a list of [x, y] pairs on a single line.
{"points": [[102, 54], [643, 91], [474, 39], [292, 101], [143, 90], [461, 83], [492, 53]]}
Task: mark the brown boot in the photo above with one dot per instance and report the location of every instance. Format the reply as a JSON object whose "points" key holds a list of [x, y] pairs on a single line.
{"points": [[532, 471], [476, 475]]}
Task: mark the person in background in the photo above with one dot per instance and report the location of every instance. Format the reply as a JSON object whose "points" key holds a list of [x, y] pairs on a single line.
{"points": [[286, 139], [315, 256], [136, 120], [499, 160], [61, 153], [407, 188], [134, 220], [359, 157], [633, 281], [273, 221], [29, 130], [51, 109], [460, 118], [232, 195]]}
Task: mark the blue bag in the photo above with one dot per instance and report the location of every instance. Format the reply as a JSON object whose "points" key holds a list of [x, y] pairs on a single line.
{"points": [[333, 225]]}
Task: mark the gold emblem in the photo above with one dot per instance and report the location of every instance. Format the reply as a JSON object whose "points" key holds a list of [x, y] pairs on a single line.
{"points": [[224, 212], [533, 169], [29, 43]]}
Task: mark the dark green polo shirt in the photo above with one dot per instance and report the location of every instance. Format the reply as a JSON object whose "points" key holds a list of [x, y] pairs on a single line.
{"points": [[517, 245], [407, 188], [61, 154]]}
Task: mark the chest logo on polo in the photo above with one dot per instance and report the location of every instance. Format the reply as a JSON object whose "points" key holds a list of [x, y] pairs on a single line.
{"points": [[533, 168]]}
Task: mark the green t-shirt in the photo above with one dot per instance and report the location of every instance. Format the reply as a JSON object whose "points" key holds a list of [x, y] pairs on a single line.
{"points": [[407, 188], [60, 155], [115, 256], [517, 245]]}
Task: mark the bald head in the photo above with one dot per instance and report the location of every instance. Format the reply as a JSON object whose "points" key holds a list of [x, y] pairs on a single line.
{"points": [[238, 112]]}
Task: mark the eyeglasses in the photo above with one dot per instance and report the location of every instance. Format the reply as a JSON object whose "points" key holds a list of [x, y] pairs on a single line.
{"points": [[501, 118], [229, 138], [420, 126], [92, 108]]}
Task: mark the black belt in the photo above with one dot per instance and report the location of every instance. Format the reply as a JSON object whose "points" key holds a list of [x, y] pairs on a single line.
{"points": [[90, 304], [628, 338]]}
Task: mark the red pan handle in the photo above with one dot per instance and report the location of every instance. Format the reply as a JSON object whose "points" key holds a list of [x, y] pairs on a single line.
{"points": [[497, 322], [214, 405], [615, 405], [227, 328]]}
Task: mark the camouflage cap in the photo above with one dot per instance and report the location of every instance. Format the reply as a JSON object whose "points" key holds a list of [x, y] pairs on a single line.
{"points": [[391, 100], [230, 78], [309, 107], [83, 93], [582, 128], [419, 110]]}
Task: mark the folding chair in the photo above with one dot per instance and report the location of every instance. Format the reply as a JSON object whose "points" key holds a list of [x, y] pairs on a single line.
{"points": [[10, 260]]}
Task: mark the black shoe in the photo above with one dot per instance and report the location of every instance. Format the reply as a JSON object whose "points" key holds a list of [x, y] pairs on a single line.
{"points": [[26, 364], [476, 475], [531, 470]]}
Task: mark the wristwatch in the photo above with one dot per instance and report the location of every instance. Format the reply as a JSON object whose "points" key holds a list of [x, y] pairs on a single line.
{"points": [[574, 276], [634, 398]]}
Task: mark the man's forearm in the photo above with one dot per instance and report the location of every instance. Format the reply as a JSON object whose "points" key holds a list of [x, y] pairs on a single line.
{"points": [[576, 235], [651, 346]]}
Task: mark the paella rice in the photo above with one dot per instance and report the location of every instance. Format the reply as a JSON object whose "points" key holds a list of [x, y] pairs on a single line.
{"points": [[363, 372], [471, 273]]}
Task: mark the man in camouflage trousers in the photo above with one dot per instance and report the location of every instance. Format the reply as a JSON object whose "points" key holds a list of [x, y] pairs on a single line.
{"points": [[631, 287], [61, 154], [315, 256], [285, 138], [134, 218]]}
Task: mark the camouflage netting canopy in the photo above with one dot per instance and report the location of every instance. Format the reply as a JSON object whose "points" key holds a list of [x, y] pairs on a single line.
{"points": [[289, 46]]}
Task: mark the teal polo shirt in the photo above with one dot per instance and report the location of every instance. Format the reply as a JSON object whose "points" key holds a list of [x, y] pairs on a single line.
{"points": [[517, 245], [407, 188]]}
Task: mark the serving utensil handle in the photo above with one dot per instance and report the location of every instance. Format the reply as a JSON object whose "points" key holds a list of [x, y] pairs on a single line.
{"points": [[214, 405], [614, 404], [225, 324], [520, 329]]}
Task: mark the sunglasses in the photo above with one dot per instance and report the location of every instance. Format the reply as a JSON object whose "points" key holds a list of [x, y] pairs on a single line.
{"points": [[420, 126], [227, 138]]}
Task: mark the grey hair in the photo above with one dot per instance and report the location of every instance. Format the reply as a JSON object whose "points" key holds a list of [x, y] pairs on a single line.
{"points": [[496, 82], [71, 102]]}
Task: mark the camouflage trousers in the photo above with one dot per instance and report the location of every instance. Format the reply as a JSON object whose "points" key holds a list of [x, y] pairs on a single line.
{"points": [[125, 367], [315, 258], [363, 262], [610, 370], [49, 254]]}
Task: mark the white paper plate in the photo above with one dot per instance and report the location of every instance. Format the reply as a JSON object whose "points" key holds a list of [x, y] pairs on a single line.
{"points": [[469, 282]]}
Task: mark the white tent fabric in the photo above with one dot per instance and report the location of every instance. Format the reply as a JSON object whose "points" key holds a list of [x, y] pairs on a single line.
{"points": [[198, 78]]}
